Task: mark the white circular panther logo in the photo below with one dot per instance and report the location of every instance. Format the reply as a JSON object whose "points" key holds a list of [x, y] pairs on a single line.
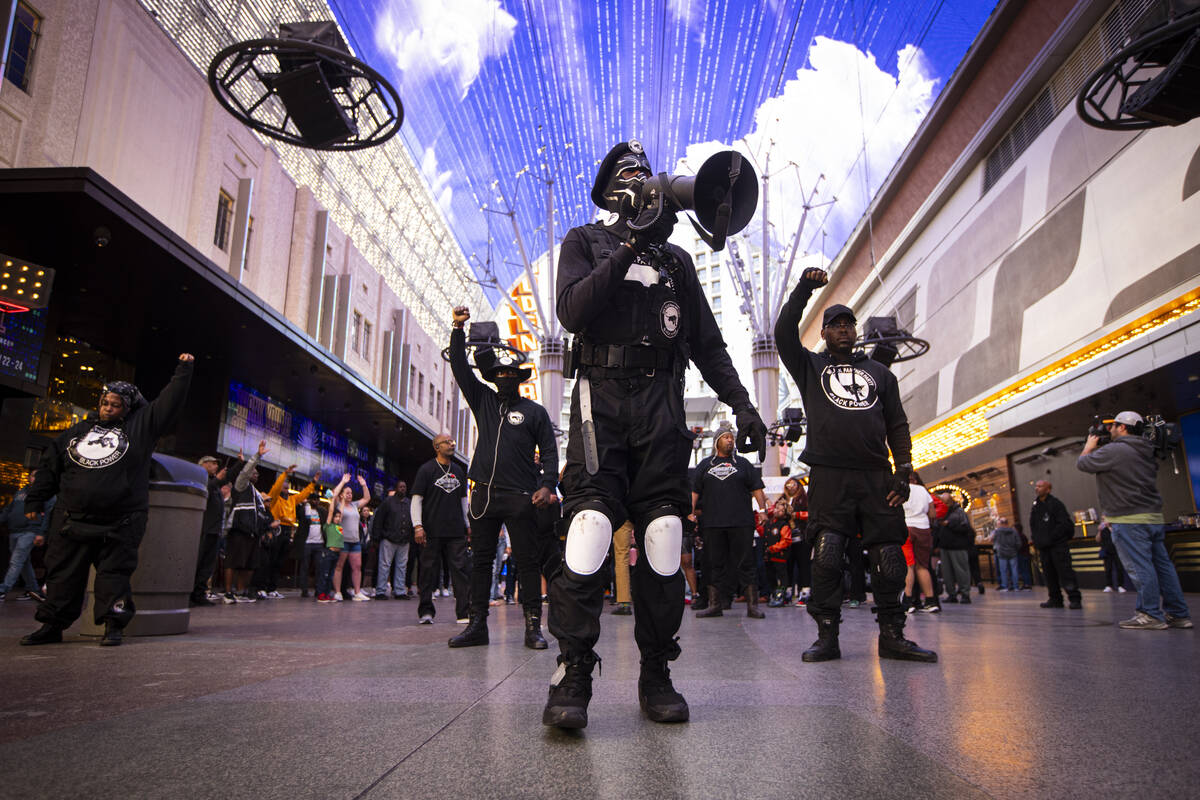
{"points": [[98, 448], [669, 319], [515, 418], [849, 387]]}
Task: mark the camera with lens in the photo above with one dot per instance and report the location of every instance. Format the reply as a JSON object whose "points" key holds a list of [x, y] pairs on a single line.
{"points": [[1162, 435], [1099, 429]]}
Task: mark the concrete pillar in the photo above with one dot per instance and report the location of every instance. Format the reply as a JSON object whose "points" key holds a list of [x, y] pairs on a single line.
{"points": [[765, 360]]}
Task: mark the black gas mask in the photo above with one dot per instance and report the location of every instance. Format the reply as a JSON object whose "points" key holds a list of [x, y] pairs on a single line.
{"points": [[623, 192], [508, 387]]}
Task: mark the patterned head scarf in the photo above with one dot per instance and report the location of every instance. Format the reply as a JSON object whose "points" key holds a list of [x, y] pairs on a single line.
{"points": [[127, 392]]}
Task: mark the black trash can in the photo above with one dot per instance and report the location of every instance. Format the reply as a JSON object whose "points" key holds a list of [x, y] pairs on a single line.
{"points": [[167, 557]]}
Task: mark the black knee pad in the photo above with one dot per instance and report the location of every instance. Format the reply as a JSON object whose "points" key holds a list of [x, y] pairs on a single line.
{"points": [[887, 560], [829, 549]]}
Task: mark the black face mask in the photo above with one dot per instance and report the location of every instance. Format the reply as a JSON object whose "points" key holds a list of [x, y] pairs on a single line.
{"points": [[509, 388], [623, 196]]}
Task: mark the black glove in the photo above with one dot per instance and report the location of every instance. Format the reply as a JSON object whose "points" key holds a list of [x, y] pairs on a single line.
{"points": [[657, 233], [813, 279], [900, 481], [751, 432]]}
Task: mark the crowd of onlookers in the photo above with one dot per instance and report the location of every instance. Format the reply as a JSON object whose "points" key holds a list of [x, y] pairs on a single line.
{"points": [[343, 544]]}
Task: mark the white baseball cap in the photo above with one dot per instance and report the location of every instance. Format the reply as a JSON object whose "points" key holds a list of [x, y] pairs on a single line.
{"points": [[1127, 418]]}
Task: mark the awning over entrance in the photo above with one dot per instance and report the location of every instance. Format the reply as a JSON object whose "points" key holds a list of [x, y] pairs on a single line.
{"points": [[1158, 373], [146, 295]]}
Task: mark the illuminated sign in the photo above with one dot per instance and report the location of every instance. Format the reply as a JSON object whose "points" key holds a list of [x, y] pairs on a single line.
{"points": [[251, 417], [21, 337], [517, 333]]}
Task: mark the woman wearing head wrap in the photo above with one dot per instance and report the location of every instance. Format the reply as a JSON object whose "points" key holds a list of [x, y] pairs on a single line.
{"points": [[100, 470]]}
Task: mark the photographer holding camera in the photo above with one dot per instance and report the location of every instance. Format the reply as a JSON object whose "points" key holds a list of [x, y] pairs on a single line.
{"points": [[1126, 473]]}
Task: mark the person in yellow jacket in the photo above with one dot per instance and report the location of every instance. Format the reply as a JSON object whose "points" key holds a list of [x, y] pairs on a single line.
{"points": [[282, 502]]}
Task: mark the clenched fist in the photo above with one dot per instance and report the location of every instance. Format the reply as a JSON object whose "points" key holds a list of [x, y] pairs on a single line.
{"points": [[815, 277]]}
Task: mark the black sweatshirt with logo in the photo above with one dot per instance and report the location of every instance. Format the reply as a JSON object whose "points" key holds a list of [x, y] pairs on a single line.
{"points": [[508, 432], [101, 471], [852, 404]]}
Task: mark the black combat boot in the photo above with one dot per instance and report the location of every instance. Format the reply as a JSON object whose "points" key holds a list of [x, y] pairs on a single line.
{"points": [[475, 634], [113, 635], [657, 695], [752, 609], [47, 634], [825, 648], [892, 644], [533, 630], [570, 692], [714, 605]]}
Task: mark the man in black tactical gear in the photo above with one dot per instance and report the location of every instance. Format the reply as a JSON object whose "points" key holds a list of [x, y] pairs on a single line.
{"points": [[509, 483], [855, 417], [636, 307]]}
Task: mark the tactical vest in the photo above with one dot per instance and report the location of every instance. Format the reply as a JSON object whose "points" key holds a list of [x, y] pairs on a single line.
{"points": [[643, 316]]}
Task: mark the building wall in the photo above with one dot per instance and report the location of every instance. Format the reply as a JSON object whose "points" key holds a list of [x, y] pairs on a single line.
{"points": [[110, 91], [1088, 230], [1031, 28]]}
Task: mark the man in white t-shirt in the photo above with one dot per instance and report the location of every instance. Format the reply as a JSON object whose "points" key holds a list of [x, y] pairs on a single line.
{"points": [[918, 548]]}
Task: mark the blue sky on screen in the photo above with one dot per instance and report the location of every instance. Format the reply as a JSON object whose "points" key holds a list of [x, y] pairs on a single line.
{"points": [[502, 96]]}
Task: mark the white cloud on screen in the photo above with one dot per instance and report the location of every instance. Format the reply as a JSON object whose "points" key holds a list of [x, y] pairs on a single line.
{"points": [[425, 38], [817, 124]]}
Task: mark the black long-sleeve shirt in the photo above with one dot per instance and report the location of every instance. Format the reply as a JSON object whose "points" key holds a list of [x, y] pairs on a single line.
{"points": [[101, 471], [508, 432], [852, 404], [598, 299]]}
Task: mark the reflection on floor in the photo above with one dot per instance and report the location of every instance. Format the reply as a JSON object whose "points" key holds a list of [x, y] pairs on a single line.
{"points": [[291, 699]]}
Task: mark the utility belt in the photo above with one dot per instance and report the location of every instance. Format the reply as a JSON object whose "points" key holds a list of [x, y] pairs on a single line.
{"points": [[620, 360]]}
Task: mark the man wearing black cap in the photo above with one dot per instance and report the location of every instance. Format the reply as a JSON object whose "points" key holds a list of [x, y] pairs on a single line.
{"points": [[509, 483], [100, 470], [210, 531], [854, 419], [639, 315]]}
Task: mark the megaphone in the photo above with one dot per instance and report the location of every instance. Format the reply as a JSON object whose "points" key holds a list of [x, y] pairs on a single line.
{"points": [[723, 195]]}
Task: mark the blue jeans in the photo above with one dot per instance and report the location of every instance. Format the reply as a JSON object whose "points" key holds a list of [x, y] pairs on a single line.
{"points": [[1024, 569], [20, 565], [1145, 558], [393, 566], [497, 565], [1008, 572]]}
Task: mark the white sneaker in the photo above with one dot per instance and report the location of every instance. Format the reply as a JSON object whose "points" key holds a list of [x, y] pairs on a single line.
{"points": [[244, 598], [426, 619], [462, 620], [262, 595], [1107, 589], [360, 598], [1121, 589], [228, 598], [276, 595], [338, 596]]}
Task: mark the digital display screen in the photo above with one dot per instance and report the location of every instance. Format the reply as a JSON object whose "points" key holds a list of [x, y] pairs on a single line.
{"points": [[21, 338], [292, 438]]}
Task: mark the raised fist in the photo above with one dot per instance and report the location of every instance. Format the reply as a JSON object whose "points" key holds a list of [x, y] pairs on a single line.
{"points": [[461, 315], [815, 276]]}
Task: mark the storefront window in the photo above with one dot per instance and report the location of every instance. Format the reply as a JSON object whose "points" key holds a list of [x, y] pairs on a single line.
{"points": [[76, 377]]}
